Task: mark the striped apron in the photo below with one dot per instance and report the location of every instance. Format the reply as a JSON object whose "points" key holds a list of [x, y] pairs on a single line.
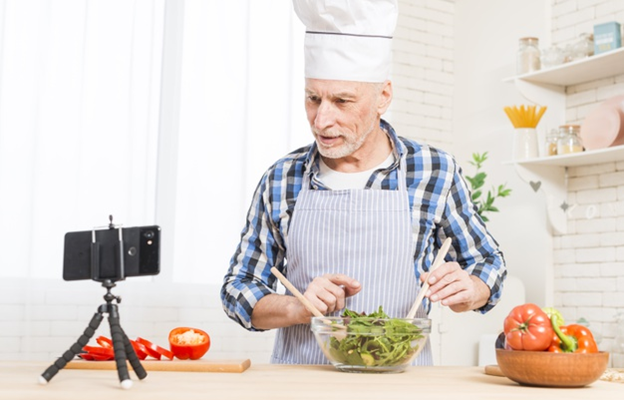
{"points": [[364, 234]]}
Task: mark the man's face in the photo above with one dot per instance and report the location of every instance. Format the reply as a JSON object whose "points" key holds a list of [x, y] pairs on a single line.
{"points": [[341, 114]]}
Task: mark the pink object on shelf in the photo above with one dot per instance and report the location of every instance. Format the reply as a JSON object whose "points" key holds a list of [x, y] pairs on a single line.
{"points": [[604, 126]]}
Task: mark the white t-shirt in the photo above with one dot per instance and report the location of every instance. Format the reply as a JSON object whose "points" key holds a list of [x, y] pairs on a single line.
{"points": [[349, 180]]}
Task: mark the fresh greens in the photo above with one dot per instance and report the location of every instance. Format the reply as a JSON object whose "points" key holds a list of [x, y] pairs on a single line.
{"points": [[375, 340]]}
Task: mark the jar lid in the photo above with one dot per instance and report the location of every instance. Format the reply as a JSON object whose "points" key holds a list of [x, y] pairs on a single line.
{"points": [[570, 128], [529, 39], [553, 133]]}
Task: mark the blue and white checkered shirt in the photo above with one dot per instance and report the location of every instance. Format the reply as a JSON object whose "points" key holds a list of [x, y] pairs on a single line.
{"points": [[441, 207]]}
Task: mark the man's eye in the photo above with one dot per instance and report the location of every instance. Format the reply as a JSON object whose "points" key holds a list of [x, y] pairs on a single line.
{"points": [[313, 99], [341, 101]]}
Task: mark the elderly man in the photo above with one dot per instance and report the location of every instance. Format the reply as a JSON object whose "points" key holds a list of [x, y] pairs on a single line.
{"points": [[355, 219]]}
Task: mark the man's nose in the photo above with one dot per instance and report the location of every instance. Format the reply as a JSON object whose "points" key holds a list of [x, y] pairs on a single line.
{"points": [[325, 116]]}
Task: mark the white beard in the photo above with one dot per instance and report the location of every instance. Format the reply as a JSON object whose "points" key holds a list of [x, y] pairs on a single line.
{"points": [[348, 147]]}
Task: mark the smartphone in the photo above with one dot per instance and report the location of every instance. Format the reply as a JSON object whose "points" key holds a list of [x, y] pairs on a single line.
{"points": [[112, 254]]}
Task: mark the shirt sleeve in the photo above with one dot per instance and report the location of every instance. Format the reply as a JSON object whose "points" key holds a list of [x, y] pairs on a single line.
{"points": [[249, 276], [475, 249]]}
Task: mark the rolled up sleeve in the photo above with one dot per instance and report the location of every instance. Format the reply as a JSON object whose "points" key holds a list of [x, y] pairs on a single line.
{"points": [[249, 276], [475, 249]]}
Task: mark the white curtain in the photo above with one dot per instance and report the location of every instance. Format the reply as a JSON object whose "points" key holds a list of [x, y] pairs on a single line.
{"points": [[79, 88], [93, 122], [241, 108]]}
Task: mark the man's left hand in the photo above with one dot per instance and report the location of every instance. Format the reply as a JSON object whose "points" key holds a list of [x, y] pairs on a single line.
{"points": [[456, 288]]}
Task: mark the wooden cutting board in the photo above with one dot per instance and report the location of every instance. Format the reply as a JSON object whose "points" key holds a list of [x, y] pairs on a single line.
{"points": [[173, 365], [493, 370]]}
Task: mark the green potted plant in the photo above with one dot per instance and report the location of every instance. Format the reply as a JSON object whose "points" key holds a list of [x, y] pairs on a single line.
{"points": [[484, 204]]}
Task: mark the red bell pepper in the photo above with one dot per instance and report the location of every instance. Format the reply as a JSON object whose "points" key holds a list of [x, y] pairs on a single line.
{"points": [[154, 350], [99, 353], [103, 341], [189, 343], [572, 338]]}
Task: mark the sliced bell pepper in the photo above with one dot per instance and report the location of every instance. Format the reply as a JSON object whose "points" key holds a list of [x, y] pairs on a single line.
{"points": [[94, 357], [99, 351], [139, 349], [572, 338], [154, 350], [104, 342]]}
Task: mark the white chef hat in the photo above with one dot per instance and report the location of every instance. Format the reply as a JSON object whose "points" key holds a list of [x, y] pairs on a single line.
{"points": [[348, 39]]}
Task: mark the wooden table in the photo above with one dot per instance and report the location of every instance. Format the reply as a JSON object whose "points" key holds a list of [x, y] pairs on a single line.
{"points": [[18, 380]]}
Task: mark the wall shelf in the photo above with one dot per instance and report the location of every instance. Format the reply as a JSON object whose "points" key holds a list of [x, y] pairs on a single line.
{"points": [[547, 87], [548, 175], [588, 69], [579, 159]]}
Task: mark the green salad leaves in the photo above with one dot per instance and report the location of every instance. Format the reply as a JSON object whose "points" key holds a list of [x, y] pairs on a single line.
{"points": [[375, 340]]}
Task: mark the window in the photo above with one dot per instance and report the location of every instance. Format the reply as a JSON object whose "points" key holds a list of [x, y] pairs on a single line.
{"points": [[162, 112]]}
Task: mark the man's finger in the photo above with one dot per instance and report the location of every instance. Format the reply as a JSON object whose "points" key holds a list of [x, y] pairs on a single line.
{"points": [[351, 286]]}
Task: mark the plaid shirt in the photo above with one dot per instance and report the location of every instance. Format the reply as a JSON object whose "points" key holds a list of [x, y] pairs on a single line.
{"points": [[439, 199]]}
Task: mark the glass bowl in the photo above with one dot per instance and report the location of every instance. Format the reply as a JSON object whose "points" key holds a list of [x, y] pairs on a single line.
{"points": [[371, 344]]}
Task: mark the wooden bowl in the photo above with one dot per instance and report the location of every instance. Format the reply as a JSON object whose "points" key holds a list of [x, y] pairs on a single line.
{"points": [[542, 368]]}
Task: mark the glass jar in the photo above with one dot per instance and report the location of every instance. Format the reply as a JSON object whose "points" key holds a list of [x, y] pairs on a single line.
{"points": [[524, 145], [583, 47], [569, 140], [568, 52], [551, 142], [528, 58], [552, 57]]}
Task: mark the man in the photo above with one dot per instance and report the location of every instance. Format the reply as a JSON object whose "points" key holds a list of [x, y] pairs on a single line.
{"points": [[355, 219]]}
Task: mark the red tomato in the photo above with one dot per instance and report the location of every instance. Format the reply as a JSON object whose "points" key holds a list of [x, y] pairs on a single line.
{"points": [[188, 343], [527, 327], [155, 351]]}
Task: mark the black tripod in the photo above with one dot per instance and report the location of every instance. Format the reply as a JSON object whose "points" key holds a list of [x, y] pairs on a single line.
{"points": [[121, 344]]}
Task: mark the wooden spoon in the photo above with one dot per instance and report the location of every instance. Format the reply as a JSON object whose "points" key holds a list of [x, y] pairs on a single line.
{"points": [[425, 286]]}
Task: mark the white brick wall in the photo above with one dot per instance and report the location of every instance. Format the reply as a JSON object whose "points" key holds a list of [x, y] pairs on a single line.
{"points": [[40, 319], [422, 72], [589, 259]]}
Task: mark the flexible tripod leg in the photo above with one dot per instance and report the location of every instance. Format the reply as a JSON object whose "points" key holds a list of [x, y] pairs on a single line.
{"points": [[133, 358], [119, 347], [123, 350], [117, 332], [76, 348]]}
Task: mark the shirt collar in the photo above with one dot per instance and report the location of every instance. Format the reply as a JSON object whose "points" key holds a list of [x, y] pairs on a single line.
{"points": [[398, 148]]}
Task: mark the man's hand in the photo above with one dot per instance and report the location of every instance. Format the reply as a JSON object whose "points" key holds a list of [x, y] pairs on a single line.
{"points": [[456, 288], [328, 292]]}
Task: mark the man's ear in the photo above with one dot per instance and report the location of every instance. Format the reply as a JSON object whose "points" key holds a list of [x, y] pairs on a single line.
{"points": [[385, 97]]}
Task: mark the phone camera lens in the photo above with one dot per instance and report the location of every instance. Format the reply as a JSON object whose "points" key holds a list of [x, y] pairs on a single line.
{"points": [[149, 234]]}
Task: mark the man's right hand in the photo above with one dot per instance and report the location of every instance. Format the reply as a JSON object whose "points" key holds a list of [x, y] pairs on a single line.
{"points": [[328, 292]]}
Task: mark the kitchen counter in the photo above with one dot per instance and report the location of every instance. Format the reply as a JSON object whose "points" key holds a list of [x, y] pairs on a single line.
{"points": [[18, 380]]}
